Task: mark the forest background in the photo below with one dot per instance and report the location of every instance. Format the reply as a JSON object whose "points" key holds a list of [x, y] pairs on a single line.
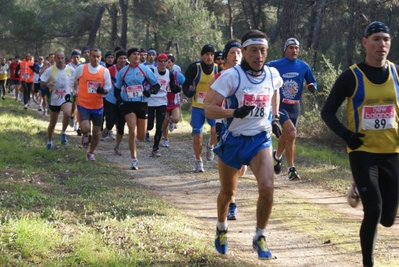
{"points": [[329, 31]]}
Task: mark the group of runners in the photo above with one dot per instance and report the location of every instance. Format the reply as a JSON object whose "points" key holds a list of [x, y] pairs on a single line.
{"points": [[244, 99]]}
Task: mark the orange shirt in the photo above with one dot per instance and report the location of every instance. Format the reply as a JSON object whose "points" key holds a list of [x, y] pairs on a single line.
{"points": [[88, 83], [26, 73]]}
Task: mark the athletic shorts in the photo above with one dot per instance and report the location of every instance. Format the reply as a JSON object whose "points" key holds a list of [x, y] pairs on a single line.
{"points": [[44, 91], [36, 87], [138, 108], [198, 120], [95, 115], [58, 108], [170, 108], [15, 82], [289, 112], [236, 151]]}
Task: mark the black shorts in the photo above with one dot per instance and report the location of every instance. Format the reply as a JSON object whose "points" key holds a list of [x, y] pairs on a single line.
{"points": [[36, 87], [15, 82], [138, 108], [289, 112]]}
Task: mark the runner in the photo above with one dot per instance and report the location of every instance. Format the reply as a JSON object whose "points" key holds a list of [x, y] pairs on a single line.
{"points": [[134, 84], [293, 71], [143, 55], [249, 90], [172, 114], [4, 69], [60, 80], [26, 76], [36, 81], [15, 82], [93, 81], [113, 114], [198, 77], [370, 89], [75, 62], [157, 103]]}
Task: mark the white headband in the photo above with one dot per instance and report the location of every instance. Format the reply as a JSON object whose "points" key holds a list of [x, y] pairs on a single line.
{"points": [[260, 41]]}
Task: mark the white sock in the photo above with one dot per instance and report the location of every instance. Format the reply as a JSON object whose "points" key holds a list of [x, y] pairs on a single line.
{"points": [[222, 226], [258, 233], [288, 169], [276, 158]]}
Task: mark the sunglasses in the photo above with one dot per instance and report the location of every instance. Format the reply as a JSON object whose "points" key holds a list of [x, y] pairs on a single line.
{"points": [[162, 61], [219, 58]]}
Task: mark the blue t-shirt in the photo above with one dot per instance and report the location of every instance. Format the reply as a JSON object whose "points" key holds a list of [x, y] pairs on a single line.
{"points": [[293, 72], [133, 81]]}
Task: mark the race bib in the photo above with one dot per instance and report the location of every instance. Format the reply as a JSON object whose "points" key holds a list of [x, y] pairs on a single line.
{"points": [[92, 86], [59, 93], [25, 75], [378, 117], [260, 101], [201, 97], [2, 70], [134, 91]]}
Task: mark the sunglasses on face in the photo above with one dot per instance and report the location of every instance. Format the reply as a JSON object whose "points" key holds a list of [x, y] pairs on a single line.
{"points": [[162, 61], [219, 58]]}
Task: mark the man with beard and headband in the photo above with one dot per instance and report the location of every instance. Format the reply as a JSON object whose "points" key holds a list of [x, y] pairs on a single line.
{"points": [[250, 95], [371, 90]]}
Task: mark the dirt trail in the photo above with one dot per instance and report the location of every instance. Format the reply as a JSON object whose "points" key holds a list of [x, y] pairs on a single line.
{"points": [[171, 177]]}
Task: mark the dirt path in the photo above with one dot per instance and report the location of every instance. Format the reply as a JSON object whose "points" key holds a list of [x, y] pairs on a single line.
{"points": [[171, 177]]}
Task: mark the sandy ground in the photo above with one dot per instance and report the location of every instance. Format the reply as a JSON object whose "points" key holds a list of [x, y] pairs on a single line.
{"points": [[171, 177]]}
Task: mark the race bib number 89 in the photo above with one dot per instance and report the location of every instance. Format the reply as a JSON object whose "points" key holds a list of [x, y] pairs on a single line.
{"points": [[378, 117]]}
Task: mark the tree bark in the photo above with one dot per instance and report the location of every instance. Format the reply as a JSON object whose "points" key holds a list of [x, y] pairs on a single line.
{"points": [[230, 18], [113, 13], [319, 23], [124, 5], [95, 26]]}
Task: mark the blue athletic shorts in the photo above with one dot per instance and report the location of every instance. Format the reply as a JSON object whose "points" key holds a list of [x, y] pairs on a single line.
{"points": [[289, 112], [236, 151], [95, 115], [198, 120]]}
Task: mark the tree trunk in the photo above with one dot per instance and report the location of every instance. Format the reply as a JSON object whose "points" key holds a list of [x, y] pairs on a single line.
{"points": [[312, 22], [124, 5], [290, 19], [230, 19], [113, 13], [319, 23], [95, 26], [350, 42]]}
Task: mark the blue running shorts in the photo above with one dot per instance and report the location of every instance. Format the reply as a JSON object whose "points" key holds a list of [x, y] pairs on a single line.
{"points": [[236, 151], [198, 120]]}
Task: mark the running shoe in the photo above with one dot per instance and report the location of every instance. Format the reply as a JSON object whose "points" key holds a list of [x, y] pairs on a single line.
{"points": [[102, 138], [90, 156], [64, 139], [155, 153], [277, 167], [111, 135], [134, 164], [49, 146], [26, 106], [165, 143], [71, 121], [293, 175], [171, 124], [221, 242], [85, 141], [199, 166], [117, 151], [39, 108], [4, 97], [79, 132], [261, 248], [352, 196], [232, 214], [147, 137], [209, 152]]}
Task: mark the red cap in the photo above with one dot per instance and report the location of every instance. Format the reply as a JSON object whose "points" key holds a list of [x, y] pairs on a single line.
{"points": [[162, 57]]}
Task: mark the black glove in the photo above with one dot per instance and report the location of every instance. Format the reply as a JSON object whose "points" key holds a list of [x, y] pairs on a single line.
{"points": [[353, 139], [311, 88], [147, 93], [119, 102], [242, 111], [101, 90], [276, 127], [154, 90]]}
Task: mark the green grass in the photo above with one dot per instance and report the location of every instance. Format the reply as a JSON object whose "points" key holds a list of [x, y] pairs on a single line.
{"points": [[56, 210]]}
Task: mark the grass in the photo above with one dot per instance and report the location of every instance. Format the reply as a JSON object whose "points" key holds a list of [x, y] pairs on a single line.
{"points": [[56, 210]]}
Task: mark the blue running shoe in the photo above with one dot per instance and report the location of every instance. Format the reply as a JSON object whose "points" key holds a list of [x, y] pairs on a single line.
{"points": [[147, 137], [232, 215], [49, 146], [261, 247], [221, 243], [64, 139]]}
